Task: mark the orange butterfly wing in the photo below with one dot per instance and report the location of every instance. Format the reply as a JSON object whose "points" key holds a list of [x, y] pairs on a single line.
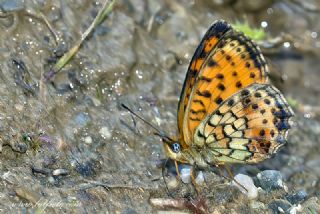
{"points": [[208, 43], [225, 62]]}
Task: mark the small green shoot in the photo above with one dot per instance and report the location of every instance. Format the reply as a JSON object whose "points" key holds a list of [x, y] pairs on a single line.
{"points": [[256, 34], [293, 102]]}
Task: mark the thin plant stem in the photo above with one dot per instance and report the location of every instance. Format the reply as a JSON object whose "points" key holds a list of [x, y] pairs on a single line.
{"points": [[106, 9]]}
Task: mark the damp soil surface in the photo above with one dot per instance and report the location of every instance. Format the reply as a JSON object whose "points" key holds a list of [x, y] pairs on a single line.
{"points": [[67, 145]]}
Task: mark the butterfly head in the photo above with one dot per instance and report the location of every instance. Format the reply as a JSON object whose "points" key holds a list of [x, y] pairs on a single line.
{"points": [[172, 147], [175, 147], [174, 150]]}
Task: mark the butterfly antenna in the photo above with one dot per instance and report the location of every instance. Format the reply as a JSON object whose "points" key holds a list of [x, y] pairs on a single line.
{"points": [[158, 131]]}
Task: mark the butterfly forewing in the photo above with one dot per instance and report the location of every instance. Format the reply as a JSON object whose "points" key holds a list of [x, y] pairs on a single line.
{"points": [[248, 127], [222, 66], [206, 47]]}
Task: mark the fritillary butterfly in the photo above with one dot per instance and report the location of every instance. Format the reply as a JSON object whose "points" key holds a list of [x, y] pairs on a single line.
{"points": [[228, 112]]}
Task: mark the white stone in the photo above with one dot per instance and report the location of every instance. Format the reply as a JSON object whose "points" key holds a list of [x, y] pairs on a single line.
{"points": [[88, 140], [185, 174], [200, 178], [19, 107], [173, 183], [295, 209], [9, 177], [96, 102], [51, 180], [246, 181], [58, 172], [105, 133]]}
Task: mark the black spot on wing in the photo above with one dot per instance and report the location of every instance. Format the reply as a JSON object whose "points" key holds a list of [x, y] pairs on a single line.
{"points": [[219, 76], [205, 93], [194, 119], [282, 125], [255, 106], [212, 62], [218, 100], [230, 102], [257, 94], [200, 134], [280, 139], [199, 101], [204, 78], [238, 84], [203, 111], [245, 92], [282, 114], [221, 87], [272, 133]]}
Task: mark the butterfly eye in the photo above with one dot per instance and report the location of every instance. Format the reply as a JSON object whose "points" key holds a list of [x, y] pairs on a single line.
{"points": [[176, 147]]}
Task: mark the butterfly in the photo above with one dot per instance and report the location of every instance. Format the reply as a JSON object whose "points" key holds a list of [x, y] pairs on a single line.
{"points": [[228, 111]]}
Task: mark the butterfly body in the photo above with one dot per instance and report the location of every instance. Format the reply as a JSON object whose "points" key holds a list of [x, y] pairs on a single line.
{"points": [[228, 112]]}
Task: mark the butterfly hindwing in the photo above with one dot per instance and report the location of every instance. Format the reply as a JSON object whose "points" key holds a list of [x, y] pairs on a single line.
{"points": [[230, 63], [248, 127]]}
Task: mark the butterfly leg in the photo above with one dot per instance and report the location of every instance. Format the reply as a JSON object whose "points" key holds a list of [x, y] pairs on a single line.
{"points": [[193, 180], [228, 169], [164, 178], [177, 168], [230, 174], [192, 173]]}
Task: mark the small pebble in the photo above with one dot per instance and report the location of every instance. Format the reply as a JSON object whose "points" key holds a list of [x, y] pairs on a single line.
{"points": [[295, 209], [200, 178], [19, 147], [96, 102], [58, 172], [173, 183], [88, 140], [86, 168], [9, 177], [247, 182], [297, 197], [270, 180], [185, 174], [105, 133], [279, 206], [19, 107], [82, 119], [51, 180], [11, 5]]}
